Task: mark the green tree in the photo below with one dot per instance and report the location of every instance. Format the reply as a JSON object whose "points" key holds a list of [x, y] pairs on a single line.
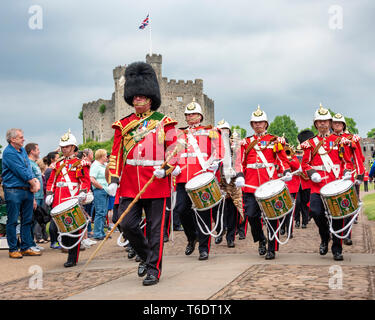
{"points": [[241, 130], [95, 145], [284, 125], [80, 116], [371, 133], [102, 108]]}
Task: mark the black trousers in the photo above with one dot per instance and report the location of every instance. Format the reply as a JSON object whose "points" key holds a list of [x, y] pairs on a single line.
{"points": [[318, 213], [303, 198], [188, 219], [253, 213], [288, 217], [229, 219], [149, 247]]}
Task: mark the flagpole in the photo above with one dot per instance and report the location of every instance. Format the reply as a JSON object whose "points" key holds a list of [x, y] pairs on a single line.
{"points": [[149, 18]]}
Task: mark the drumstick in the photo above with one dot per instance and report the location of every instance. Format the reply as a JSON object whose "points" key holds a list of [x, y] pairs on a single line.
{"points": [[175, 151], [250, 186]]}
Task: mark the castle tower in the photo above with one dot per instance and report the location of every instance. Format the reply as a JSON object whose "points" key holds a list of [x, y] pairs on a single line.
{"points": [[156, 61]]}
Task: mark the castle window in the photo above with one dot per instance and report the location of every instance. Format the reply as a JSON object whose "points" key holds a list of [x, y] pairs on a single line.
{"points": [[179, 99], [92, 135]]}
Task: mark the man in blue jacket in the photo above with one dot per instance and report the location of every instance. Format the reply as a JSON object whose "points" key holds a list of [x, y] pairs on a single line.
{"points": [[19, 184]]}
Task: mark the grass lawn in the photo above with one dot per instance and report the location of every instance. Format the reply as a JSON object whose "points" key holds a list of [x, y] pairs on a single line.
{"points": [[369, 206]]}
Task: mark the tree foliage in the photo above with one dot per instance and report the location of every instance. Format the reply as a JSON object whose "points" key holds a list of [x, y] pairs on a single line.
{"points": [[95, 145], [102, 108], [371, 133], [80, 116], [284, 125], [239, 129]]}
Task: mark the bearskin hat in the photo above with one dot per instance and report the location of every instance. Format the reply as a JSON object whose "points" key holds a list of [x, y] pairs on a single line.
{"points": [[305, 135], [141, 80]]}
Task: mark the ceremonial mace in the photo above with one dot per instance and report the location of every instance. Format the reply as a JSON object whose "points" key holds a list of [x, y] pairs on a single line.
{"points": [[180, 145]]}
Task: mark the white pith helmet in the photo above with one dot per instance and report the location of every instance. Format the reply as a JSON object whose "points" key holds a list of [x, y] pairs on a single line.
{"points": [[338, 117], [222, 124], [322, 114], [68, 139], [259, 115], [194, 107]]}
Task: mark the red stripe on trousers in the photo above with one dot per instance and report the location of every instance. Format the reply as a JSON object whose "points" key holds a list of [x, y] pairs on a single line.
{"points": [[161, 241]]}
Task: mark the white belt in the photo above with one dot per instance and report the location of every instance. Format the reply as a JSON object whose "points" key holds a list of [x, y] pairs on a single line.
{"points": [[323, 168], [144, 163], [259, 165], [192, 154], [66, 184]]}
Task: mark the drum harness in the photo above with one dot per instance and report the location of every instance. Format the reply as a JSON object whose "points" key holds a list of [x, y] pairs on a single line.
{"points": [[72, 191], [348, 226], [205, 164]]}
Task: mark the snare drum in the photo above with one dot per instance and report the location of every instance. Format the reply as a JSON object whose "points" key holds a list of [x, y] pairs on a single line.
{"points": [[69, 216], [204, 191], [274, 199], [340, 198]]}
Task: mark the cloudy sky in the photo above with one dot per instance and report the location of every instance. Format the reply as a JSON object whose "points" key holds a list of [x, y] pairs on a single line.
{"points": [[287, 56]]}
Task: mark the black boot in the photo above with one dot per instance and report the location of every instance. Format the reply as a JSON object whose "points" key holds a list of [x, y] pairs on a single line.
{"points": [[323, 249], [69, 264], [150, 280], [270, 255], [337, 256], [190, 247], [218, 240], [142, 269], [262, 247], [203, 255]]}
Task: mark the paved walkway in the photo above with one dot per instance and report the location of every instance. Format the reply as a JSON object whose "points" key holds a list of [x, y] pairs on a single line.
{"points": [[298, 272]]}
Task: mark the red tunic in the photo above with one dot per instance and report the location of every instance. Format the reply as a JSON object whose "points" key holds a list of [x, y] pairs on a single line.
{"points": [[68, 178], [332, 146], [141, 144], [210, 145], [293, 185], [259, 164], [354, 148]]}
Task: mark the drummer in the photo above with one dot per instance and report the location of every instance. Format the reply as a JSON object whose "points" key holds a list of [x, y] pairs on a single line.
{"points": [[261, 153], [202, 154], [233, 208], [69, 178], [357, 159], [323, 161]]}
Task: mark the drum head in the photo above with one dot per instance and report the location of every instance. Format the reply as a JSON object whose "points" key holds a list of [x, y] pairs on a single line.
{"points": [[64, 206], [269, 189], [199, 180], [336, 187]]}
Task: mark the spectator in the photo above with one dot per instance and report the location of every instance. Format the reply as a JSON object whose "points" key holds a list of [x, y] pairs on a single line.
{"points": [[88, 155], [19, 185], [100, 187], [50, 160], [33, 152], [40, 232]]}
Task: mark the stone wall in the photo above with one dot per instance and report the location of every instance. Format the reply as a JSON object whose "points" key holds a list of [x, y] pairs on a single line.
{"points": [[97, 125]]}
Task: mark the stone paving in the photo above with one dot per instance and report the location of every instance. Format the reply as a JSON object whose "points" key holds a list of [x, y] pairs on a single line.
{"points": [[258, 281]]}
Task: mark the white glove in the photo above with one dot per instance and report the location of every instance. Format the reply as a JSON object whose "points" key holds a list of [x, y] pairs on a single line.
{"points": [[82, 197], [358, 182], [288, 177], [159, 173], [347, 176], [240, 182], [316, 178], [89, 198], [112, 189], [213, 166], [176, 171], [49, 200]]}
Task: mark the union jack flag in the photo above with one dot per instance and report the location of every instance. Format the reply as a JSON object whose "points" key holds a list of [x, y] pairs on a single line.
{"points": [[145, 23]]}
